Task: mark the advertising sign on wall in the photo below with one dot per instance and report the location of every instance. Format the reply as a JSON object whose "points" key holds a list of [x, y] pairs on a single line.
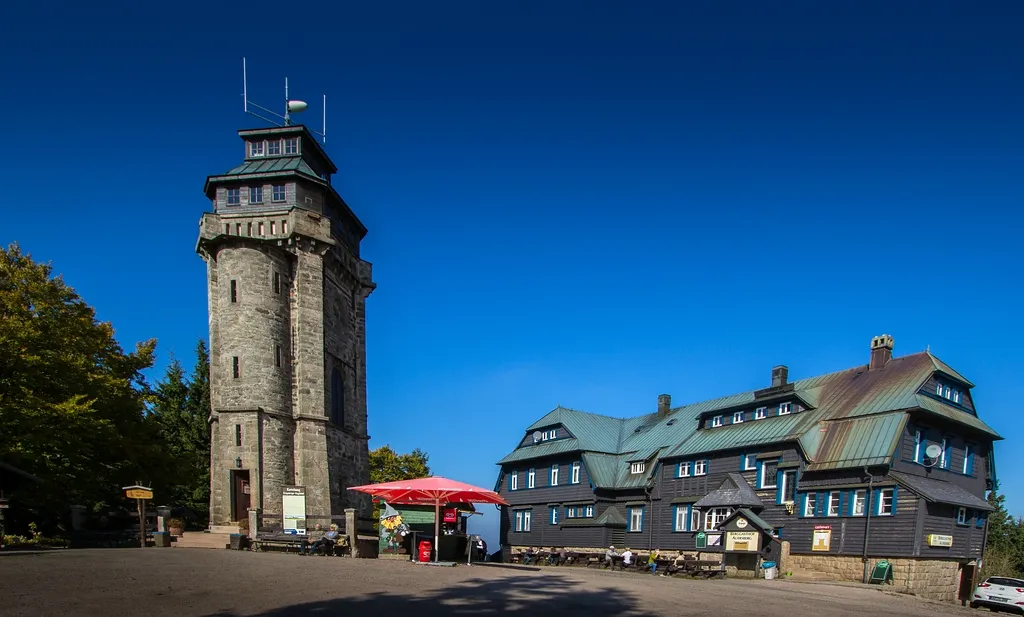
{"points": [[293, 509], [743, 541], [822, 540]]}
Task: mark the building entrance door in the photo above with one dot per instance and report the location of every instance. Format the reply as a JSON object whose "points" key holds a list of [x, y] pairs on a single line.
{"points": [[240, 494]]}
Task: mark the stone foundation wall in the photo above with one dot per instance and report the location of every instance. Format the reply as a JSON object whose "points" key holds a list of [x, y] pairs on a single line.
{"points": [[929, 578], [585, 549]]}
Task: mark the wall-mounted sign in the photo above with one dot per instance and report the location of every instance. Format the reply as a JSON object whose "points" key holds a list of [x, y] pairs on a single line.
{"points": [[702, 540], [451, 515], [822, 538], [937, 540], [293, 509], [743, 541], [741, 522]]}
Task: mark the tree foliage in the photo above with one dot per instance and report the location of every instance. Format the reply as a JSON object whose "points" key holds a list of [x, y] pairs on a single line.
{"points": [[1004, 550], [71, 400], [386, 465], [181, 408]]}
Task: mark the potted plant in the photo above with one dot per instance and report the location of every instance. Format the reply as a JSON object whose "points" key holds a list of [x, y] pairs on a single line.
{"points": [[176, 526]]}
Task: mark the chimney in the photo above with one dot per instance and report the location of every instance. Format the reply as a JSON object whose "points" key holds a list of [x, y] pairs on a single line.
{"points": [[664, 404], [779, 375], [881, 351]]}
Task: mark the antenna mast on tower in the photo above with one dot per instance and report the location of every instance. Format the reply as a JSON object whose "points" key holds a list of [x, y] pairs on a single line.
{"points": [[290, 106]]}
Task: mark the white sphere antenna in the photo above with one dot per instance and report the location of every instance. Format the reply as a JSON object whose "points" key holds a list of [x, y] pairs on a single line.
{"points": [[933, 452], [536, 436], [290, 106]]}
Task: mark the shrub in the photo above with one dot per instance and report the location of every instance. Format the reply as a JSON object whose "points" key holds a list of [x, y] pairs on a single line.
{"points": [[243, 525], [175, 523]]}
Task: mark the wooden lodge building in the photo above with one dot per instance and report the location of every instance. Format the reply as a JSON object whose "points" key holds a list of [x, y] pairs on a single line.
{"points": [[887, 460]]}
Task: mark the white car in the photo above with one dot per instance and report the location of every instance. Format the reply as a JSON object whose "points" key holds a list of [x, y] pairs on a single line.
{"points": [[999, 593]]}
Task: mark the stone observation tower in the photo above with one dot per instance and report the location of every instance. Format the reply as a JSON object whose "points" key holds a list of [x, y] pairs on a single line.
{"points": [[287, 297]]}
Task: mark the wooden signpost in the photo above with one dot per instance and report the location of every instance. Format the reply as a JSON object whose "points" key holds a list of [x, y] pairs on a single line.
{"points": [[140, 494]]}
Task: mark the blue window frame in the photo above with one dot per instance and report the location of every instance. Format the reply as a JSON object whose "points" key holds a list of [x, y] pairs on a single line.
{"points": [[575, 477], [748, 462], [963, 516], [968, 468], [681, 514], [513, 480]]}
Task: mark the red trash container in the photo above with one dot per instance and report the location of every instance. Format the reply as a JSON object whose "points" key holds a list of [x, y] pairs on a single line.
{"points": [[425, 547]]}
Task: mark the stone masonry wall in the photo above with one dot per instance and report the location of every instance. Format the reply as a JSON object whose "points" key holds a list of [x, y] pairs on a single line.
{"points": [[929, 578]]}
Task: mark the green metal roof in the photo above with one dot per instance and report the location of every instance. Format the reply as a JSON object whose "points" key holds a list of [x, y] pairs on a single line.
{"points": [[545, 448], [855, 417], [262, 166]]}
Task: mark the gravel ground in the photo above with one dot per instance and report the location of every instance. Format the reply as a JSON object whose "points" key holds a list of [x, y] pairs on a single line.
{"points": [[198, 582]]}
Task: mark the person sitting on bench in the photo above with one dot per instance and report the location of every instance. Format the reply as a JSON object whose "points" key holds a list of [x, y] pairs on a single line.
{"points": [[328, 541], [312, 538]]}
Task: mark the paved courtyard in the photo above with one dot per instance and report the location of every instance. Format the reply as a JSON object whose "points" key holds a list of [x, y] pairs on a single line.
{"points": [[197, 582]]}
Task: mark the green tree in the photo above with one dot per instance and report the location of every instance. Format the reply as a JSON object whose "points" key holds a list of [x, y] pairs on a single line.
{"points": [[386, 465], [1004, 549], [180, 407], [71, 400]]}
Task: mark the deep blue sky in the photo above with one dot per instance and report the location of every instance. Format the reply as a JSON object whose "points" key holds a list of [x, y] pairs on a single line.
{"points": [[568, 202]]}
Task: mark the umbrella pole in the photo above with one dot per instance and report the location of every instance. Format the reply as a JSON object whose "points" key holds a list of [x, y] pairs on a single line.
{"points": [[437, 527]]}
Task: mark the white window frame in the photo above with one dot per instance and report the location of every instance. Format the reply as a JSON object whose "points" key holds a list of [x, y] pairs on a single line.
{"points": [[527, 519], [942, 457], [637, 468], [294, 143], [834, 502], [967, 457], [750, 462], [716, 422], [554, 515], [513, 483], [588, 512], [810, 505], [774, 478], [860, 497], [938, 389], [575, 478], [787, 477], [636, 519], [695, 519], [714, 517], [917, 446], [680, 522], [961, 516], [785, 409], [531, 478], [554, 475], [947, 392], [270, 146], [879, 510], [737, 417], [956, 396], [700, 468], [683, 469], [257, 148], [570, 512], [519, 520], [760, 413]]}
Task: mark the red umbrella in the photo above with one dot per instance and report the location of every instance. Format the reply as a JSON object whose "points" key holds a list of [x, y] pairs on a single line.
{"points": [[435, 490]]}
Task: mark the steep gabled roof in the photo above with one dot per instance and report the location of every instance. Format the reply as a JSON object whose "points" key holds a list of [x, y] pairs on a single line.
{"points": [[939, 491], [733, 492]]}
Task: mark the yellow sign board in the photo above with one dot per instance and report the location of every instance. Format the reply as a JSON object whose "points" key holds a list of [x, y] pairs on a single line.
{"points": [[139, 493], [822, 538], [937, 540], [743, 541]]}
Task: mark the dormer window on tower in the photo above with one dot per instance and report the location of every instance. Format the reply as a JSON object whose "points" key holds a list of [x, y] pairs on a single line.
{"points": [[274, 147], [257, 148], [635, 468], [948, 393], [291, 145]]}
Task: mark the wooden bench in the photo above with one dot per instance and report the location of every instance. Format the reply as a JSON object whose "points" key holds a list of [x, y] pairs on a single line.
{"points": [[285, 541]]}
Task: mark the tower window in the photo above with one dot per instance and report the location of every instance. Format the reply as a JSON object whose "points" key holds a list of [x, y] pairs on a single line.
{"points": [[234, 367], [278, 194], [227, 228], [257, 148], [260, 229], [284, 227], [337, 397], [234, 197], [238, 229], [291, 146], [255, 194], [277, 356], [234, 290], [277, 283], [274, 147], [238, 434], [273, 228], [249, 230]]}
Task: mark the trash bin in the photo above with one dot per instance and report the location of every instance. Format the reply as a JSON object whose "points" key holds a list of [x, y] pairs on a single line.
{"points": [[161, 539], [769, 570], [425, 550]]}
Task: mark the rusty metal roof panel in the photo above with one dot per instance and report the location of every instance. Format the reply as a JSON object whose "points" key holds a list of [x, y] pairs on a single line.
{"points": [[546, 448], [947, 369], [751, 433], [870, 440], [949, 412]]}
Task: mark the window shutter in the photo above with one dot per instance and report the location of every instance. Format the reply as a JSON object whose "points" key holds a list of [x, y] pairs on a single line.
{"points": [[876, 503], [895, 490], [778, 486], [821, 504], [743, 461], [970, 462], [802, 500], [948, 458], [760, 481]]}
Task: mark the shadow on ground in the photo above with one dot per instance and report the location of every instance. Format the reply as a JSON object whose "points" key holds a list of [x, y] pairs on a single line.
{"points": [[518, 595]]}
